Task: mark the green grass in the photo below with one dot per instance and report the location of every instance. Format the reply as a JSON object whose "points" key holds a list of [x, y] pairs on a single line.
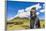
{"points": [[42, 24], [25, 24]]}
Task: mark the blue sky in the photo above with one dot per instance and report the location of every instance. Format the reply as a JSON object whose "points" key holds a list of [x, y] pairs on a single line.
{"points": [[14, 6]]}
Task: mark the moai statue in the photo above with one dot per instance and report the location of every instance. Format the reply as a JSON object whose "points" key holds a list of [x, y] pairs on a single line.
{"points": [[34, 20]]}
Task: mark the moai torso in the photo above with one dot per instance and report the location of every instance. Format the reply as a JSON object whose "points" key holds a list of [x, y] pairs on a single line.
{"points": [[33, 15], [34, 22]]}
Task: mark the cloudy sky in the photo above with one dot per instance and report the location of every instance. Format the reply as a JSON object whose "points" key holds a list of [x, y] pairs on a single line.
{"points": [[22, 9]]}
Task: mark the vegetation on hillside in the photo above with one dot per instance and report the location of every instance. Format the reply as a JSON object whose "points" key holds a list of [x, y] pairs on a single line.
{"points": [[21, 23]]}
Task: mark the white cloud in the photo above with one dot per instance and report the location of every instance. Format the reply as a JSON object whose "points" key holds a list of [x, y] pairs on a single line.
{"points": [[29, 8], [26, 13], [37, 13], [23, 13], [42, 11], [20, 11]]}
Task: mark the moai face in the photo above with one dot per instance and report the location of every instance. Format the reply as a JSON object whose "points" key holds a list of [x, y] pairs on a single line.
{"points": [[32, 10]]}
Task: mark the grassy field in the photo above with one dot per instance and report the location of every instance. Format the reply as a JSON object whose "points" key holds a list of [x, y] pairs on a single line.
{"points": [[21, 23], [42, 24]]}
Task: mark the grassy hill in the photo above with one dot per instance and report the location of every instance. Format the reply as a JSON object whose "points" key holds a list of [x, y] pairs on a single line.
{"points": [[21, 23]]}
